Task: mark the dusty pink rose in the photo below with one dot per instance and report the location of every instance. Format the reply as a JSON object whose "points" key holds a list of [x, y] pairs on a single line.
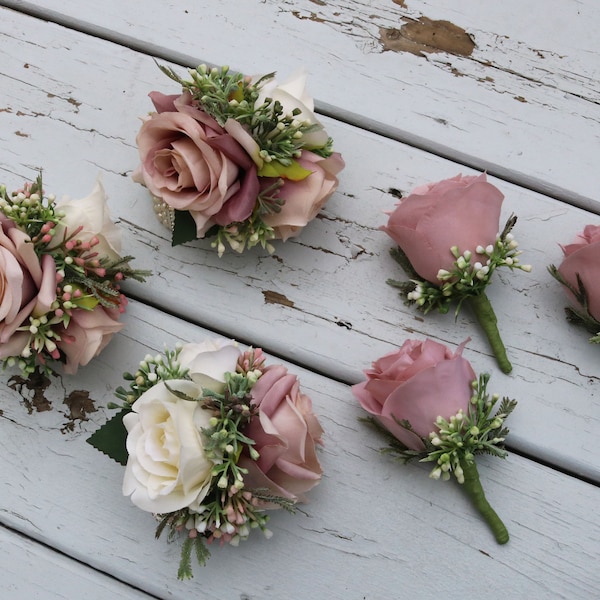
{"points": [[27, 286], [582, 258], [305, 198], [462, 212], [193, 164], [417, 383], [87, 334], [286, 432]]}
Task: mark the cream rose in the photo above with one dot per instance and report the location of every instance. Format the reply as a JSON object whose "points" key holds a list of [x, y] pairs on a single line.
{"points": [[209, 361], [167, 469], [92, 214], [292, 94]]}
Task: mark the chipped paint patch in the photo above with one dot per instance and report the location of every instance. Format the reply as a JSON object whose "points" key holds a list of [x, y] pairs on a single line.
{"points": [[272, 297], [21, 134], [400, 3], [424, 36], [80, 405], [36, 384]]}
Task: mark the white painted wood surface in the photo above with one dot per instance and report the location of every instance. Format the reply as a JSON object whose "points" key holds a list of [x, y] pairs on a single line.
{"points": [[31, 570], [69, 103], [524, 104], [373, 527], [326, 290]]}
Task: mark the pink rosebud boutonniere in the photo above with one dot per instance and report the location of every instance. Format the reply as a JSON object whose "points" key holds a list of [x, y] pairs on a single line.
{"points": [[450, 244], [579, 272], [242, 159], [211, 438], [435, 409], [60, 275]]}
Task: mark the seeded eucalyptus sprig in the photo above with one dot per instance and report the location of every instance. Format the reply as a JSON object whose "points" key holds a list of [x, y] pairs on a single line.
{"points": [[456, 442], [226, 95]]}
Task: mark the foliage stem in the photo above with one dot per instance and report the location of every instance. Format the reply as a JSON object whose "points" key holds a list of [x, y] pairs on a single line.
{"points": [[487, 318], [474, 490]]}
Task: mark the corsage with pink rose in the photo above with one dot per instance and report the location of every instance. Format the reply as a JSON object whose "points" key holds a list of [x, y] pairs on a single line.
{"points": [[579, 272], [241, 159], [60, 275], [434, 408], [450, 244], [211, 438]]}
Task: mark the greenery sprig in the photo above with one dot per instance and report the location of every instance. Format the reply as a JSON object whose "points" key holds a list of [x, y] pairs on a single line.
{"points": [[226, 95], [581, 317]]}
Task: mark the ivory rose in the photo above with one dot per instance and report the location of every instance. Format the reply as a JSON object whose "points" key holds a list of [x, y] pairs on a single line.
{"points": [[88, 333], [93, 216], [292, 95], [582, 259], [27, 286], [285, 434], [209, 361], [304, 199], [195, 165], [167, 468], [417, 383], [463, 211]]}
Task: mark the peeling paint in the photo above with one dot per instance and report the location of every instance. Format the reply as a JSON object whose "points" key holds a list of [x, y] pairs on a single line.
{"points": [[424, 36], [37, 383], [272, 297], [312, 17], [80, 405]]}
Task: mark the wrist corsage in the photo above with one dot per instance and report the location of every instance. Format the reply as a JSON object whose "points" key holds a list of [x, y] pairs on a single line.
{"points": [[242, 159], [435, 409], [60, 271], [579, 272], [211, 438], [449, 244]]}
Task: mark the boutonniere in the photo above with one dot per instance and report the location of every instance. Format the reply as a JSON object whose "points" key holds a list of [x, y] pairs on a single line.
{"points": [[450, 244], [60, 275], [579, 273], [241, 159], [211, 438], [435, 409]]}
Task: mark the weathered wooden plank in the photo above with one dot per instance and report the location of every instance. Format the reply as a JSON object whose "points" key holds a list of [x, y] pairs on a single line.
{"points": [[70, 104], [31, 570], [372, 527], [501, 88]]}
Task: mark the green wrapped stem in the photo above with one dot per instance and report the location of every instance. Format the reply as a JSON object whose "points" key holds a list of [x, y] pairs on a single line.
{"points": [[472, 486], [487, 318]]}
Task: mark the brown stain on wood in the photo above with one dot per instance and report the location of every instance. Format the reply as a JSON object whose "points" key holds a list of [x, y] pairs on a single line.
{"points": [[37, 383], [424, 35], [80, 405], [272, 297]]}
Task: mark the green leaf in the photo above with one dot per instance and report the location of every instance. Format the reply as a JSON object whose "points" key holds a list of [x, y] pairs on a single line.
{"points": [[293, 171], [111, 438], [184, 228]]}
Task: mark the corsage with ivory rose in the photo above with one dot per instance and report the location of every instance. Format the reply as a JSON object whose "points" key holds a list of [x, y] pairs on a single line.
{"points": [[579, 272], [211, 438], [450, 244], [60, 275], [240, 158], [435, 409]]}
